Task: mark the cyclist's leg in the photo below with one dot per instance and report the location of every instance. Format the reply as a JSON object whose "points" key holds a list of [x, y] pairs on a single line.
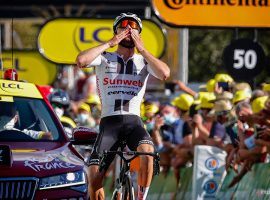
{"points": [[140, 140], [107, 140], [146, 165], [146, 170], [95, 186]]}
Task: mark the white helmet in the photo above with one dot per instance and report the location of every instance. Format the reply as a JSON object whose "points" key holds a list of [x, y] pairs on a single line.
{"points": [[128, 15]]}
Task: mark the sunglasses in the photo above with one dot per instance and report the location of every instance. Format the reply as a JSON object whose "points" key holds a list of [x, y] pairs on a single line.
{"points": [[125, 23]]}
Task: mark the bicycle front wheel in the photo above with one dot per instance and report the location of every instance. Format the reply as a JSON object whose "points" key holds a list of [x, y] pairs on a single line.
{"points": [[128, 190]]}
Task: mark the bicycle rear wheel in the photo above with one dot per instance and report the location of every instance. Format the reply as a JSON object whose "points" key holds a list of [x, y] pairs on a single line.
{"points": [[128, 190]]}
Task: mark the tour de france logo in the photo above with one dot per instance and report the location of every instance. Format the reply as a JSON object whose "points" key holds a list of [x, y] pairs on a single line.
{"points": [[210, 187], [212, 164]]}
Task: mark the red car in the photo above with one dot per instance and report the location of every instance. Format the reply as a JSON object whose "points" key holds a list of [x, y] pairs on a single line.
{"points": [[37, 160]]}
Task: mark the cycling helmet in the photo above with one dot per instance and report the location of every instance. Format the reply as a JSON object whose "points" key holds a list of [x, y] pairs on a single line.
{"points": [[11, 74], [128, 15], [59, 97]]}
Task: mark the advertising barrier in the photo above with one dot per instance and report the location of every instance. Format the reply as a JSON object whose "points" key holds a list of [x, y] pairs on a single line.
{"points": [[209, 171], [254, 185]]}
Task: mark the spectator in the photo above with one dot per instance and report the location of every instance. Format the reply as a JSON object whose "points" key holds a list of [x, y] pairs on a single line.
{"points": [[218, 134], [83, 117], [150, 111], [202, 122], [181, 152], [243, 86], [60, 102], [240, 96], [258, 104], [95, 106]]}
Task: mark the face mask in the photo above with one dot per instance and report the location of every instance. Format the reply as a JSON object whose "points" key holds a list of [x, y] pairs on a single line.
{"points": [[7, 123], [150, 126], [169, 119], [82, 117], [59, 111]]}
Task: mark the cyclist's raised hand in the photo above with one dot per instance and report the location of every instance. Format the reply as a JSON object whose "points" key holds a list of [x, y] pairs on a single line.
{"points": [[137, 40], [117, 38]]}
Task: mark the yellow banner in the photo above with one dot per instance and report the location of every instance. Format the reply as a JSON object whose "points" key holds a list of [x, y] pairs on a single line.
{"points": [[21, 89], [31, 66], [61, 40], [216, 13]]}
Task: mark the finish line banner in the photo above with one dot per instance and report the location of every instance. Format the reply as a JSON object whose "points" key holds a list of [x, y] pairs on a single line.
{"points": [[208, 171]]}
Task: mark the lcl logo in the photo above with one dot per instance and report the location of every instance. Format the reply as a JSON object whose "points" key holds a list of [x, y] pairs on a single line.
{"points": [[11, 86], [95, 36]]}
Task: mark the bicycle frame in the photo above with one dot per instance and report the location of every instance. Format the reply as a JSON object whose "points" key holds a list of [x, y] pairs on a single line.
{"points": [[124, 176], [123, 182]]}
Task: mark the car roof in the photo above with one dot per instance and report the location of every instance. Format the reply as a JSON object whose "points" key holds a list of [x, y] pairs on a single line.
{"points": [[19, 89]]}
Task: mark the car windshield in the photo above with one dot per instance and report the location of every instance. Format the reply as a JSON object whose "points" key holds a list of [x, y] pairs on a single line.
{"points": [[27, 119]]}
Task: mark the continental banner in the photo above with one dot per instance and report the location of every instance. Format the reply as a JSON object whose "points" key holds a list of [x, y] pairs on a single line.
{"points": [[208, 172], [30, 65], [60, 40], [214, 13]]}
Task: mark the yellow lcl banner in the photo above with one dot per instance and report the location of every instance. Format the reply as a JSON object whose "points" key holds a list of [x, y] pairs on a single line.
{"points": [[31, 66], [62, 39], [215, 13]]}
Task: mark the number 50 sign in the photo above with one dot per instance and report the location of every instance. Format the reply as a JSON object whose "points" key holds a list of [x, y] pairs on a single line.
{"points": [[244, 59]]}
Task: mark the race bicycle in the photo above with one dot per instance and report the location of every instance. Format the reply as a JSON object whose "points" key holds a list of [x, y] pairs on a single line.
{"points": [[124, 189]]}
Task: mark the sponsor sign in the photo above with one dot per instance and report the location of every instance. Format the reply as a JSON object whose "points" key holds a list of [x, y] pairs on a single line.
{"points": [[244, 59], [217, 13], [29, 64], [14, 88], [61, 40], [210, 187], [208, 171], [212, 163]]}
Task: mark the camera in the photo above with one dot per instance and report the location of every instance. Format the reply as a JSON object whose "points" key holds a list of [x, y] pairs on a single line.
{"points": [[224, 85], [169, 88]]}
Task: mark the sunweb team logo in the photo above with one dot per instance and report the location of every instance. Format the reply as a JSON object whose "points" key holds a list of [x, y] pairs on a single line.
{"points": [[210, 187], [212, 163]]}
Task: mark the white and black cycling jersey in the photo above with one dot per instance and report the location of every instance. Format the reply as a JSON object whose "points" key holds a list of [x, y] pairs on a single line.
{"points": [[121, 84]]}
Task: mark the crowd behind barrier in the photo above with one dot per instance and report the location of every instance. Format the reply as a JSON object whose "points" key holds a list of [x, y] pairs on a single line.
{"points": [[223, 113]]}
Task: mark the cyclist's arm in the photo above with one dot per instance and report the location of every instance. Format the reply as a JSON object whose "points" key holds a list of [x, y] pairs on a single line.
{"points": [[159, 68], [91, 56]]}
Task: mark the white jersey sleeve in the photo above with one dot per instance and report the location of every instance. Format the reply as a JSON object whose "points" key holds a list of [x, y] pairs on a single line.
{"points": [[149, 69], [96, 62]]}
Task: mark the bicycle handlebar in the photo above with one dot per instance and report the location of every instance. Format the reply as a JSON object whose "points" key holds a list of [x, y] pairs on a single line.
{"points": [[131, 153], [134, 154]]}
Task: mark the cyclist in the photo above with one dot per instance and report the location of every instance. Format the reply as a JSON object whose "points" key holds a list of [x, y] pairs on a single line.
{"points": [[60, 102], [121, 83]]}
